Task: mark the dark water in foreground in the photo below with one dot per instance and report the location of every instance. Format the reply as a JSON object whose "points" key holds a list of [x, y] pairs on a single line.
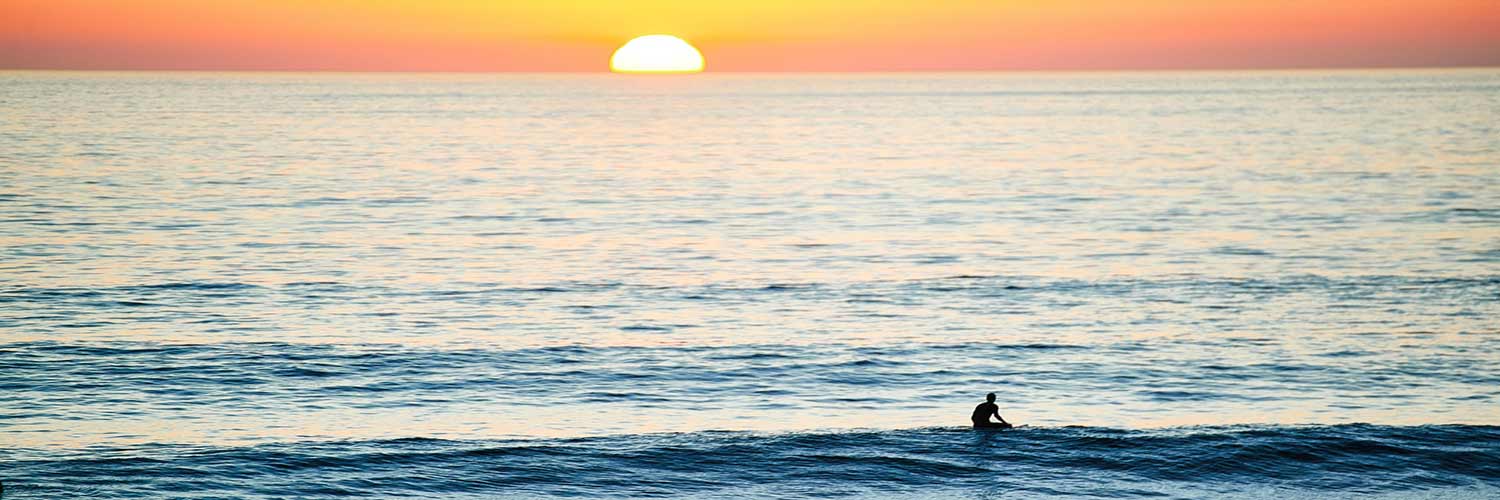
{"points": [[1258, 285], [1450, 461]]}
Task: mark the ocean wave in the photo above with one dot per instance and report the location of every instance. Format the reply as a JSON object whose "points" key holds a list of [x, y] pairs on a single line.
{"points": [[839, 385], [1235, 461]]}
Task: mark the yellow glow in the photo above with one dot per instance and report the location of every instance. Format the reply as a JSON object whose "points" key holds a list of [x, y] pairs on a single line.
{"points": [[656, 54]]}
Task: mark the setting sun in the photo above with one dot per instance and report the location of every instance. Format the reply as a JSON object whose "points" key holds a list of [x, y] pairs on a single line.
{"points": [[657, 54]]}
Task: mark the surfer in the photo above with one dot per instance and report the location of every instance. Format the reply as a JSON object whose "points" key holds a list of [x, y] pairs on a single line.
{"points": [[982, 414]]}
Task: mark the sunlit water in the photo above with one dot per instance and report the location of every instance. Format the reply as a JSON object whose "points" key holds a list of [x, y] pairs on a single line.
{"points": [[294, 285]]}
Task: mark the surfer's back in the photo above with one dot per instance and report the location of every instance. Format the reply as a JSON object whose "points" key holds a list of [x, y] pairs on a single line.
{"points": [[983, 411]]}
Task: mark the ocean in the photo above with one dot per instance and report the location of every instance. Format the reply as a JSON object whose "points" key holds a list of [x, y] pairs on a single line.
{"points": [[1278, 284]]}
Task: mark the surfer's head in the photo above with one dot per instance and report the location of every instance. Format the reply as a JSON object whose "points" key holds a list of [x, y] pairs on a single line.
{"points": [[990, 397]]}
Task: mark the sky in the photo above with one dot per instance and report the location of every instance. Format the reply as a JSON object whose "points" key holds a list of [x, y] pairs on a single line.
{"points": [[747, 35]]}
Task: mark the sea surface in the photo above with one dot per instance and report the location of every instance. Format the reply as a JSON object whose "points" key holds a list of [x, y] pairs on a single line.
{"points": [[1185, 285]]}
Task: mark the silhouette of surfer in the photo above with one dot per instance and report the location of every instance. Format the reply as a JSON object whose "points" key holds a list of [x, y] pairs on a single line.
{"points": [[982, 414]]}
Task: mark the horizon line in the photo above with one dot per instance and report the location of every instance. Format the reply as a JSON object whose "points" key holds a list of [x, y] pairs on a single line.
{"points": [[766, 72]]}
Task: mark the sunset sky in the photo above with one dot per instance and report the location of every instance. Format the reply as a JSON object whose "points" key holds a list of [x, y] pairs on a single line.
{"points": [[747, 35]]}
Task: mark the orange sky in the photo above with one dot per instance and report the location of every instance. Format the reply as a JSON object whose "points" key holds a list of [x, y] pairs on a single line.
{"points": [[747, 35]]}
